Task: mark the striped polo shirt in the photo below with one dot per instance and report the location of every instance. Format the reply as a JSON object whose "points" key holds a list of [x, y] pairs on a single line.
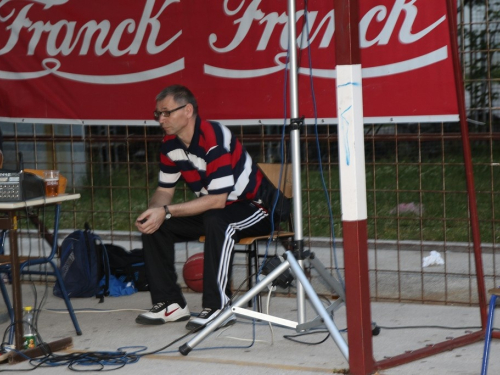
{"points": [[214, 163]]}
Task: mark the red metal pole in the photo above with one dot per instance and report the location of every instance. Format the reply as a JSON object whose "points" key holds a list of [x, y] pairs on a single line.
{"points": [[353, 186], [469, 173], [476, 336]]}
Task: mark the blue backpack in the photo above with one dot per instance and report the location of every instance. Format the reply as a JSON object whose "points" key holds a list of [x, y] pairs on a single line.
{"points": [[84, 263]]}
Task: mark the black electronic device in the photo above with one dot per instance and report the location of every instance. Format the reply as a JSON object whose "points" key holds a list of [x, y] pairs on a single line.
{"points": [[16, 186], [284, 280]]}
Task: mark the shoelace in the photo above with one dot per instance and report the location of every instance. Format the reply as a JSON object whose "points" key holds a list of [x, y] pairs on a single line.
{"points": [[204, 313], [158, 307]]}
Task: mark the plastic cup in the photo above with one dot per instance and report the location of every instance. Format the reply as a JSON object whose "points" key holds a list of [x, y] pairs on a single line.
{"points": [[51, 179]]}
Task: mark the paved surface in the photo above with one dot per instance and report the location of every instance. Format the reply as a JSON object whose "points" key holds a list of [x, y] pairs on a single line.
{"points": [[248, 349]]}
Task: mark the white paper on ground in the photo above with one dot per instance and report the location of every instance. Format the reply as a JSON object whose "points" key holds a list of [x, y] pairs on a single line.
{"points": [[434, 259]]}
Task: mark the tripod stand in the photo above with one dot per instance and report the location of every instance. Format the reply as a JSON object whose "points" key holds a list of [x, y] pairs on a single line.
{"points": [[296, 265], [290, 262]]}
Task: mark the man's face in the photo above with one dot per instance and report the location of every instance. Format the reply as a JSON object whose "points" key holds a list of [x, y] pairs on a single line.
{"points": [[177, 121]]}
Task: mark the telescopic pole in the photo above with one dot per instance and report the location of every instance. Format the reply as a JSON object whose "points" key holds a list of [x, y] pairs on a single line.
{"points": [[295, 124]]}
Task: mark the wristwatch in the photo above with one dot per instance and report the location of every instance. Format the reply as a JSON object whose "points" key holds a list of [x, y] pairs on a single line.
{"points": [[168, 215]]}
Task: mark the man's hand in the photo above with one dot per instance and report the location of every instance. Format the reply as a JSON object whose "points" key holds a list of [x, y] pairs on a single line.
{"points": [[150, 220]]}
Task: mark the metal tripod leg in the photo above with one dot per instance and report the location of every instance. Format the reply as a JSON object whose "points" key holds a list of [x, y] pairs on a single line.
{"points": [[335, 286], [292, 263], [318, 306]]}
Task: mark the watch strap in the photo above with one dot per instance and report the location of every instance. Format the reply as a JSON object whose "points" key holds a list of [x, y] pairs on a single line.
{"points": [[168, 214]]}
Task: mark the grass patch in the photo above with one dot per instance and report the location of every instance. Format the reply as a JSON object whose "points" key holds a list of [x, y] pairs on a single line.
{"points": [[113, 200]]}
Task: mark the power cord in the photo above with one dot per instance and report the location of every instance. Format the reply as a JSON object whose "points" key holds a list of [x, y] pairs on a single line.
{"points": [[318, 148], [434, 327], [91, 310], [254, 340], [282, 155], [293, 337], [102, 360]]}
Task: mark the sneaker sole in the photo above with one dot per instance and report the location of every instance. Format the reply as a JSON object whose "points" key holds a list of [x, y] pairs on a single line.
{"points": [[190, 326], [156, 322]]}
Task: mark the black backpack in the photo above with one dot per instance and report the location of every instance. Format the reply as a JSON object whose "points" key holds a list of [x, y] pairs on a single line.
{"points": [[84, 263], [129, 264]]}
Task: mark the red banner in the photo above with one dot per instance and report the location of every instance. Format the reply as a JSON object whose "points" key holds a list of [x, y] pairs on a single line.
{"points": [[94, 61]]}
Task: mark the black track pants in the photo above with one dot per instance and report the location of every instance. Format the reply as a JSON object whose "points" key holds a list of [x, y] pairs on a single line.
{"points": [[222, 228]]}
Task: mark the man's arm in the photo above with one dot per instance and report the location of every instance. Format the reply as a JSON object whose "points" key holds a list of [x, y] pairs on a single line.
{"points": [[199, 205], [151, 219], [161, 197]]}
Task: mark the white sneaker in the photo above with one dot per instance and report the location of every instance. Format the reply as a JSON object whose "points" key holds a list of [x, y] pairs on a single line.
{"points": [[162, 313], [206, 316]]}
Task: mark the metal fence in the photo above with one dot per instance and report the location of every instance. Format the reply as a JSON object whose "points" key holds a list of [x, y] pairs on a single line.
{"points": [[416, 188]]}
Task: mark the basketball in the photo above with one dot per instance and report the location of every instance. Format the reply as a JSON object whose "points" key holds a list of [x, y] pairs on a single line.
{"points": [[193, 272]]}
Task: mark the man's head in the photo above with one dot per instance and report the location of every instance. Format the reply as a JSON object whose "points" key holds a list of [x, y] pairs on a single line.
{"points": [[181, 95], [176, 111]]}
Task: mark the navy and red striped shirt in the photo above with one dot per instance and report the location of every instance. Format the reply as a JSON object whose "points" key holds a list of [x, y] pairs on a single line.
{"points": [[214, 163]]}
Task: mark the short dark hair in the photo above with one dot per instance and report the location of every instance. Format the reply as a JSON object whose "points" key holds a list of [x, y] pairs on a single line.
{"points": [[181, 94]]}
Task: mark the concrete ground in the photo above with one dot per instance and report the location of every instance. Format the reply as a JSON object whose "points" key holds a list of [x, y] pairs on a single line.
{"points": [[248, 348]]}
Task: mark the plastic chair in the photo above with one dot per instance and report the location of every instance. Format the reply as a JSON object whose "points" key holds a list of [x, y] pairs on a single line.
{"points": [[27, 262], [251, 244], [489, 328]]}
